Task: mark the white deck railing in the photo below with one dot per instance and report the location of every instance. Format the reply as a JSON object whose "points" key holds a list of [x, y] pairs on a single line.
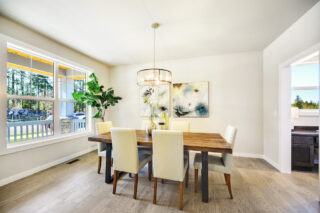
{"points": [[25, 130]]}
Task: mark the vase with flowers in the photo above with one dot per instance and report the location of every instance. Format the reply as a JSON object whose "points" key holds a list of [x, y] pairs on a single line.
{"points": [[150, 99]]}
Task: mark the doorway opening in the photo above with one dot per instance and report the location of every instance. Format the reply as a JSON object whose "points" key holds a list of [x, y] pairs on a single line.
{"points": [[305, 113], [288, 120]]}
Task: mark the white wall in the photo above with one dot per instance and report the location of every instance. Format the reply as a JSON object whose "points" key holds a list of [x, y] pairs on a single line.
{"points": [[235, 95], [20, 163], [302, 35]]}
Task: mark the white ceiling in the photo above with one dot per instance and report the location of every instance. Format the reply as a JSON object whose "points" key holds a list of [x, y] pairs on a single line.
{"points": [[118, 31]]}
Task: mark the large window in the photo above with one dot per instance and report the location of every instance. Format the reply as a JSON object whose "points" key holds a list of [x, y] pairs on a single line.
{"points": [[305, 86], [39, 97], [72, 115]]}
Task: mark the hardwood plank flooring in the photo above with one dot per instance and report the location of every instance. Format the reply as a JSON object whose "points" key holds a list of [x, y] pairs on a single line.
{"points": [[256, 187]]}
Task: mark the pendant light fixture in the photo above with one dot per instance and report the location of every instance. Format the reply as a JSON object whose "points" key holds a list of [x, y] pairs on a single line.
{"points": [[154, 76]]}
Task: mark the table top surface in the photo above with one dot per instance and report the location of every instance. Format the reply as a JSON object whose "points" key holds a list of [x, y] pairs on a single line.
{"points": [[207, 142]]}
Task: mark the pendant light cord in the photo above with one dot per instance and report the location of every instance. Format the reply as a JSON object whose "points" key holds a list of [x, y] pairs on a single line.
{"points": [[154, 47]]}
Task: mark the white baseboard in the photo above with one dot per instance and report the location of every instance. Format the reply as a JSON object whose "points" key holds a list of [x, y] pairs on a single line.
{"points": [[268, 160], [272, 163], [247, 155], [45, 166]]}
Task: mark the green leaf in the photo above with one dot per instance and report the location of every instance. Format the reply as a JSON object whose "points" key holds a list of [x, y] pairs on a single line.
{"points": [[96, 96], [98, 114], [93, 77]]}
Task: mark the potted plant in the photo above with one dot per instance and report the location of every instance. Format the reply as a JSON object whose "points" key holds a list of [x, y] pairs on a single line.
{"points": [[97, 97]]}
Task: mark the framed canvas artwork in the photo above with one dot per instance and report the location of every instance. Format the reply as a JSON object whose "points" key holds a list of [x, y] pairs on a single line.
{"points": [[190, 99], [158, 96]]}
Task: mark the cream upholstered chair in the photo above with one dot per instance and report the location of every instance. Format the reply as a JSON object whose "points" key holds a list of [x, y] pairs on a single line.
{"points": [[102, 127], [180, 126], [168, 160], [126, 157], [218, 164]]}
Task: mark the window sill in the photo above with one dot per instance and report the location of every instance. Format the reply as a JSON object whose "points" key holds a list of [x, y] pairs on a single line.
{"points": [[12, 148]]}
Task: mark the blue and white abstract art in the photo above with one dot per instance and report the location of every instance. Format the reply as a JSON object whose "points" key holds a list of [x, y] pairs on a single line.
{"points": [[190, 99]]}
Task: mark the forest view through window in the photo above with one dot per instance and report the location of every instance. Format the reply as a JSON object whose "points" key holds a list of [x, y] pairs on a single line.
{"points": [[305, 86], [31, 97]]}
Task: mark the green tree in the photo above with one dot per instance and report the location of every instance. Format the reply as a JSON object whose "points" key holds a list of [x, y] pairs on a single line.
{"points": [[298, 102]]}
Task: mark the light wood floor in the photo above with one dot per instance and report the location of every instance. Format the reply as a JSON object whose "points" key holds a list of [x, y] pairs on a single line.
{"points": [[257, 187]]}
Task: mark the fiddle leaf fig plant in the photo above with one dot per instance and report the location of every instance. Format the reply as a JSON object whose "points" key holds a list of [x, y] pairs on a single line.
{"points": [[97, 97]]}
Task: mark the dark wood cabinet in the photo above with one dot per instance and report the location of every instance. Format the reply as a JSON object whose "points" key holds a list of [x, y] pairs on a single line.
{"points": [[304, 143]]}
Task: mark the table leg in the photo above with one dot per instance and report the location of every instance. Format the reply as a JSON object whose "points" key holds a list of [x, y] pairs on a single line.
{"points": [[204, 177], [108, 177]]}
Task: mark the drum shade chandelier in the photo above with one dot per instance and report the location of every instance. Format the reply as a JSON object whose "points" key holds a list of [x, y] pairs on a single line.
{"points": [[154, 76]]}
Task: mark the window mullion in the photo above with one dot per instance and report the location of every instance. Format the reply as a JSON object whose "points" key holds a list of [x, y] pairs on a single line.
{"points": [[88, 109], [31, 76], [56, 104]]}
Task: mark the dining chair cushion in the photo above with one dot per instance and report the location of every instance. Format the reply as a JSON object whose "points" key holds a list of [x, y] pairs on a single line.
{"points": [[168, 158], [125, 151], [144, 159], [103, 154], [215, 163], [145, 149]]}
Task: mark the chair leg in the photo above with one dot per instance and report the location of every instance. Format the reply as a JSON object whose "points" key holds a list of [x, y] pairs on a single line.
{"points": [[162, 181], [99, 164], [228, 181], [111, 162], [154, 190], [181, 196], [130, 175], [196, 180], [187, 177], [115, 177], [135, 186], [150, 170]]}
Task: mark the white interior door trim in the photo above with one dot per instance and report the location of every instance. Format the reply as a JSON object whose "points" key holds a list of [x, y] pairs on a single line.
{"points": [[285, 109]]}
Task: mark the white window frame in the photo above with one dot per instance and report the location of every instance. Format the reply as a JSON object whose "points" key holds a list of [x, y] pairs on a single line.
{"points": [[6, 148]]}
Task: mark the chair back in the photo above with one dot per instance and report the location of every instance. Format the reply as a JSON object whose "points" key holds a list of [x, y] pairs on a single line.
{"points": [[125, 151], [168, 162], [103, 127], [180, 126], [230, 137], [230, 134]]}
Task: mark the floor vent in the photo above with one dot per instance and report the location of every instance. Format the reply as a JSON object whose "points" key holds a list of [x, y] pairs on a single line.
{"points": [[72, 161]]}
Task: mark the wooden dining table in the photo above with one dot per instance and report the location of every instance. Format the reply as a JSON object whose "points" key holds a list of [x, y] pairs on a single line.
{"points": [[204, 142]]}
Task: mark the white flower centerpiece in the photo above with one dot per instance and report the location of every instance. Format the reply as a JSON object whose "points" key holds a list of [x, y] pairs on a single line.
{"points": [[152, 102]]}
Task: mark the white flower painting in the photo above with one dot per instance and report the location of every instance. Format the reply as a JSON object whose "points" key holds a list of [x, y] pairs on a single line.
{"points": [[159, 97]]}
